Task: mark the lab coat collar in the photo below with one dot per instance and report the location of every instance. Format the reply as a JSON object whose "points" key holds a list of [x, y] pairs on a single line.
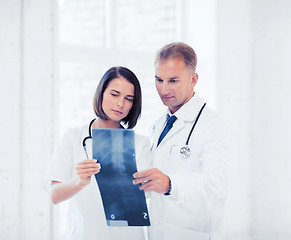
{"points": [[187, 112], [190, 109]]}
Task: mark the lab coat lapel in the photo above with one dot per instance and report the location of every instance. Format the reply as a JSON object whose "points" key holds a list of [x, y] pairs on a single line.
{"points": [[178, 125], [89, 148], [157, 130], [187, 113]]}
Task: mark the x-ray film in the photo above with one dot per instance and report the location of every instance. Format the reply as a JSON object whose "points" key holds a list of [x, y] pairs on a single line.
{"points": [[124, 204]]}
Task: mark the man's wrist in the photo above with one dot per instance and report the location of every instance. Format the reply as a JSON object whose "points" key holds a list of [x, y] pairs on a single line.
{"points": [[170, 189]]}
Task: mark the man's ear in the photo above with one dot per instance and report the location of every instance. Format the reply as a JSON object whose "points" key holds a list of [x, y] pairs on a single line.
{"points": [[194, 79]]}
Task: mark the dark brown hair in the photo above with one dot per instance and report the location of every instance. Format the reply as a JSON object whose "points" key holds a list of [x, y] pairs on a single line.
{"points": [[116, 72]]}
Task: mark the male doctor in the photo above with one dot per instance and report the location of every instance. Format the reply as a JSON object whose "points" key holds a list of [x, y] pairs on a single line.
{"points": [[188, 186]]}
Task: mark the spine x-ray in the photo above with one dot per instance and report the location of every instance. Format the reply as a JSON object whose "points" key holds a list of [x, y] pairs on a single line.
{"points": [[124, 204]]}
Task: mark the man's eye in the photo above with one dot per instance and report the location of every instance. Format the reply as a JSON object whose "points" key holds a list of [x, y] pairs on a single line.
{"points": [[159, 80], [173, 81]]}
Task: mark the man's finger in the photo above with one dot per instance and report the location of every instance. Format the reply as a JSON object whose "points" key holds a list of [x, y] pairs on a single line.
{"points": [[145, 185], [145, 179], [144, 173], [141, 180]]}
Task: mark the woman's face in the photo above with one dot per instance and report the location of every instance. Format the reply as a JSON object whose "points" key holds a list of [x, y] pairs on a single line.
{"points": [[118, 99]]}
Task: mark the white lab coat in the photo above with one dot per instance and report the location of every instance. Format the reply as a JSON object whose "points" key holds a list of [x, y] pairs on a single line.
{"points": [[195, 208], [86, 218]]}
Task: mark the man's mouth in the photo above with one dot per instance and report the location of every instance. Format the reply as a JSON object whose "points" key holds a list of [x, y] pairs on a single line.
{"points": [[166, 98]]}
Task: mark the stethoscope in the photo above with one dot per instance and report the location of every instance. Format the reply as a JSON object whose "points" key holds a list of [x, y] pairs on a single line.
{"points": [[88, 137], [185, 150]]}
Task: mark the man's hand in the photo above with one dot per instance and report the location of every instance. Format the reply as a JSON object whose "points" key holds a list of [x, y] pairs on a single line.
{"points": [[152, 180]]}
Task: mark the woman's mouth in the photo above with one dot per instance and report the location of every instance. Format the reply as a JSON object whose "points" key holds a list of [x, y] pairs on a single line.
{"points": [[117, 112]]}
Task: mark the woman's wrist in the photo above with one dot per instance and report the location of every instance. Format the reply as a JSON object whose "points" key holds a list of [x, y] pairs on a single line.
{"points": [[81, 183]]}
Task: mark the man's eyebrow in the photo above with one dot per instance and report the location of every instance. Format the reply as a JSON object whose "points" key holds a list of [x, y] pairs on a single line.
{"points": [[173, 78], [170, 79]]}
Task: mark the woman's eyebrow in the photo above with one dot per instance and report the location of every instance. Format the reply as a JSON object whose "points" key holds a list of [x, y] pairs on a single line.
{"points": [[113, 90]]}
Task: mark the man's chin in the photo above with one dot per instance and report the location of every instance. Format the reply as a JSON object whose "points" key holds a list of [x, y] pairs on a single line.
{"points": [[167, 103]]}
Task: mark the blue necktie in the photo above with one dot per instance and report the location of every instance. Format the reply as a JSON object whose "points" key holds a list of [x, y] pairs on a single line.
{"points": [[167, 128]]}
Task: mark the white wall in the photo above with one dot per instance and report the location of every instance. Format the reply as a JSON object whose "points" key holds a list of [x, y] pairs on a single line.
{"points": [[198, 29], [27, 78], [234, 81], [10, 70], [271, 118], [253, 89]]}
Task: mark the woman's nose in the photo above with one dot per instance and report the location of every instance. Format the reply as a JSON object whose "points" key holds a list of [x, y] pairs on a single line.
{"points": [[120, 102]]}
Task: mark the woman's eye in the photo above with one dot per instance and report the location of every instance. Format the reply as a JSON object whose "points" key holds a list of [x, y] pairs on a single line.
{"points": [[129, 99], [114, 95]]}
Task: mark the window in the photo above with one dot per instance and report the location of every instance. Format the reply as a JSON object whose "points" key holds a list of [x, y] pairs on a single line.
{"points": [[96, 35]]}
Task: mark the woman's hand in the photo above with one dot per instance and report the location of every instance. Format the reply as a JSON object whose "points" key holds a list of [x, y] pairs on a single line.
{"points": [[86, 169], [61, 191]]}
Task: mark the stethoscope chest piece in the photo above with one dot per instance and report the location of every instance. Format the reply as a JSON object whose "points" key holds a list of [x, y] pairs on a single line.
{"points": [[185, 151]]}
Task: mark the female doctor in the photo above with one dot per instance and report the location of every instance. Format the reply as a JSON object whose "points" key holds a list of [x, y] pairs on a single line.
{"points": [[117, 100]]}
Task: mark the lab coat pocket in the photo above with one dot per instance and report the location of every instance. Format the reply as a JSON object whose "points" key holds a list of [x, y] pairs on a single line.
{"points": [[75, 228], [74, 231], [177, 153], [173, 232], [178, 161]]}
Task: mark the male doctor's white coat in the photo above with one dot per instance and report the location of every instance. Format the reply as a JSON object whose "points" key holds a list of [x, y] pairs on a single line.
{"points": [[195, 208]]}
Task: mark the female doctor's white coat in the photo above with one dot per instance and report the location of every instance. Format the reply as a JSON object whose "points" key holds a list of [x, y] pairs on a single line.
{"points": [[194, 209], [86, 218]]}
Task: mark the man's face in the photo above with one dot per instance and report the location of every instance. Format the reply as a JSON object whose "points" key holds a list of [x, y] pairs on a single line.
{"points": [[174, 82]]}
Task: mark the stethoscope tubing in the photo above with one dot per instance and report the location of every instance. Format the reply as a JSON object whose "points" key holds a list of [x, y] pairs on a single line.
{"points": [[185, 150], [88, 137], [185, 147], [196, 120]]}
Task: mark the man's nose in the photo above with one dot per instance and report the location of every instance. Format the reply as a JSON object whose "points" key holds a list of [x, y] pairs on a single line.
{"points": [[164, 89]]}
